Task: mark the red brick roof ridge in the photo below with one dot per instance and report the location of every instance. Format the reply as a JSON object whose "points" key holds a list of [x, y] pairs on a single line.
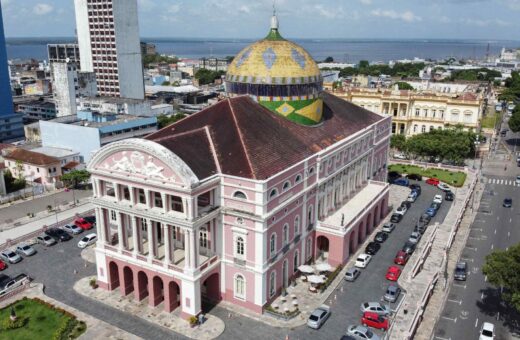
{"points": [[179, 134], [233, 114], [213, 150]]}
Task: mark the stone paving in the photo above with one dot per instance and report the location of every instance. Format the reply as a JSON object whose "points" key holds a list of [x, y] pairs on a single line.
{"points": [[210, 329], [96, 329]]}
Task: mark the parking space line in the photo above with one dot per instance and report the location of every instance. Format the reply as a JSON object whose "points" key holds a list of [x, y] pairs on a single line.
{"points": [[438, 337], [459, 285], [445, 317], [495, 231], [476, 323], [466, 259], [475, 249], [455, 301], [492, 246], [482, 296]]}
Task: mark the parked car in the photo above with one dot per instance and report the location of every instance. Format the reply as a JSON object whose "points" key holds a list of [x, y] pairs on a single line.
{"points": [[372, 248], [435, 206], [409, 247], [406, 204], [3, 280], [420, 228], [392, 293], [388, 227], [393, 273], [517, 180], [461, 271], [374, 320], [10, 256], [433, 181], [318, 317], [401, 257], [503, 133], [401, 210], [425, 218], [487, 332], [415, 177], [508, 203], [58, 234], [83, 224], [412, 197], [73, 229], [392, 176], [25, 249], [90, 219], [381, 237], [46, 240], [444, 187], [399, 155], [87, 240], [431, 211], [376, 307], [3, 265], [8, 285], [450, 196], [437, 199], [402, 181], [352, 274], [396, 218], [363, 260], [415, 237], [417, 188], [361, 332]]}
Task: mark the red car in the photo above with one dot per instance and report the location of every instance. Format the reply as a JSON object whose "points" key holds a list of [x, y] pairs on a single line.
{"points": [[433, 181], [2, 265], [370, 319], [401, 257], [83, 224], [393, 273]]}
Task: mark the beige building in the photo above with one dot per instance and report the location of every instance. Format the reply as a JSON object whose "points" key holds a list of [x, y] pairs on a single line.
{"points": [[418, 112]]}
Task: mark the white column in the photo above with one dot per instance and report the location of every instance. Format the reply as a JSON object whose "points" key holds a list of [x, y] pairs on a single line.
{"points": [[132, 195], [116, 191], [191, 297], [135, 235], [120, 242], [165, 204], [187, 248], [167, 236], [150, 239], [100, 218], [147, 198], [195, 248]]}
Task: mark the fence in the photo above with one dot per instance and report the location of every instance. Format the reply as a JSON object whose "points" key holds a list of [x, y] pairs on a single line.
{"points": [[425, 252], [455, 227], [23, 193], [15, 291]]}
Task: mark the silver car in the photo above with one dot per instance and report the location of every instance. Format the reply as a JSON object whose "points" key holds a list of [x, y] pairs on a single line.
{"points": [[25, 249], [376, 307], [10, 256], [72, 229], [388, 227], [46, 240], [415, 237], [392, 293], [352, 274], [362, 332], [318, 317]]}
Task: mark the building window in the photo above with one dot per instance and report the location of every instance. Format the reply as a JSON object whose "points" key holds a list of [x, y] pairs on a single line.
{"points": [[298, 179], [142, 196], [417, 112], [296, 261], [272, 284], [240, 287], [441, 112], [426, 112], [239, 251], [203, 238], [240, 195], [176, 204], [309, 248], [434, 113], [113, 215], [273, 244], [273, 193], [393, 128], [297, 225], [286, 186], [157, 200], [415, 128], [423, 128], [431, 127], [285, 234]]}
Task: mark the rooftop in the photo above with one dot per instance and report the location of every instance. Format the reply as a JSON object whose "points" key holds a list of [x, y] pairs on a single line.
{"points": [[153, 89], [111, 100], [55, 152], [30, 157], [239, 137]]}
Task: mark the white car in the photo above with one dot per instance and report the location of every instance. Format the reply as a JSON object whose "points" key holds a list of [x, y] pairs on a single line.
{"points": [[444, 187], [518, 180], [388, 227], [487, 332], [87, 240], [437, 199], [415, 237], [401, 210], [399, 155], [363, 260], [72, 229]]}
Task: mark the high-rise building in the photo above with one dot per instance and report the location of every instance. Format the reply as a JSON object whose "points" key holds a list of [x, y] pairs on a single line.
{"points": [[109, 45], [63, 52], [11, 126]]}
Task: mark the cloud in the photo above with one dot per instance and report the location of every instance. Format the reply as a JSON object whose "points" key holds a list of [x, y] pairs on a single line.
{"points": [[485, 23], [42, 9], [366, 2], [512, 4], [407, 16], [325, 11], [174, 9]]}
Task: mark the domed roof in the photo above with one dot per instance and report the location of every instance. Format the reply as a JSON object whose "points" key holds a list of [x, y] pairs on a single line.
{"points": [[273, 60]]}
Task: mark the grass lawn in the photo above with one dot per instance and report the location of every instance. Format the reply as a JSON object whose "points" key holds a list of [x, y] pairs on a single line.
{"points": [[488, 122], [455, 179], [43, 322]]}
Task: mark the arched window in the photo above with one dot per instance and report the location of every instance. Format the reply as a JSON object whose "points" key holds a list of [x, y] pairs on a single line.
{"points": [[240, 287], [285, 234], [240, 246], [309, 248], [203, 238], [296, 261], [286, 186], [272, 244], [240, 195], [298, 179], [310, 215], [297, 225], [273, 193], [311, 171], [272, 284]]}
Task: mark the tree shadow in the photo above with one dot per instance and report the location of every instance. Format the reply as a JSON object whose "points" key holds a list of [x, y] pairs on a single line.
{"points": [[493, 305]]}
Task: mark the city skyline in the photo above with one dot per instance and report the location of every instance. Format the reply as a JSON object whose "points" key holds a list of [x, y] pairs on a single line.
{"points": [[442, 19]]}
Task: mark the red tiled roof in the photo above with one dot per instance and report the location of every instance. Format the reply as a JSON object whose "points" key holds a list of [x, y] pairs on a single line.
{"points": [[70, 165], [239, 137], [30, 157]]}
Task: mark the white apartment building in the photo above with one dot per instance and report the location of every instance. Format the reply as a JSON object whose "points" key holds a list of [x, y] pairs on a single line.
{"points": [[68, 84], [109, 44]]}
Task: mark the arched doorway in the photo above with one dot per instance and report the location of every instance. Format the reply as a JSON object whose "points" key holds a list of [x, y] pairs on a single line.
{"points": [[285, 274], [361, 232], [368, 227], [352, 243], [113, 275], [142, 286], [128, 279], [158, 291], [174, 296], [383, 209], [210, 289], [323, 246]]}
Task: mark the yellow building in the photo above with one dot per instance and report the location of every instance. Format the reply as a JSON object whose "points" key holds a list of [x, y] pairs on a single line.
{"points": [[417, 112]]}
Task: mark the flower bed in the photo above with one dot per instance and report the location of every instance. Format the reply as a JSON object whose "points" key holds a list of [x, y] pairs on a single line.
{"points": [[455, 179], [331, 278], [282, 315]]}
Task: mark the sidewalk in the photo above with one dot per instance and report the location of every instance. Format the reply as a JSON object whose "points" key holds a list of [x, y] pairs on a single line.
{"points": [[33, 225]]}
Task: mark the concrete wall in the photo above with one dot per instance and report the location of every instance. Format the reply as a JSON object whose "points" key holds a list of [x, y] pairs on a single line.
{"points": [[83, 34], [63, 75]]}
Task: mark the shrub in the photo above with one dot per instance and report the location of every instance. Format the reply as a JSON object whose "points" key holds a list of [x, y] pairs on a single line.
{"points": [[8, 324], [193, 320], [93, 283], [331, 278]]}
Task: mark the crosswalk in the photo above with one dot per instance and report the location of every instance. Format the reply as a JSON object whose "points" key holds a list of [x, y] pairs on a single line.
{"points": [[503, 182]]}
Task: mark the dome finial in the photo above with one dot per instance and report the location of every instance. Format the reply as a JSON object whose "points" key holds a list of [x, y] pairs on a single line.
{"points": [[274, 18]]}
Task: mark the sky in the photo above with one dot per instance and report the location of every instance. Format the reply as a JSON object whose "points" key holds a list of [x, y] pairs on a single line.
{"points": [[351, 19]]}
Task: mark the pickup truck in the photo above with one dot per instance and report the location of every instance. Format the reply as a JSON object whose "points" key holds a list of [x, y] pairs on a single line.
{"points": [[7, 284]]}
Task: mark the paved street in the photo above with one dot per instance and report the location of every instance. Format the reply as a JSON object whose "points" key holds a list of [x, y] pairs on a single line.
{"points": [[19, 210]]}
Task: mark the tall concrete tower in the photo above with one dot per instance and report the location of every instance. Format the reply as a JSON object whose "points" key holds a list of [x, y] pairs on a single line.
{"points": [[109, 45]]}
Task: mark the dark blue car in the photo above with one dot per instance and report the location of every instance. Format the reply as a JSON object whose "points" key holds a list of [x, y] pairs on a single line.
{"points": [[402, 181], [431, 211]]}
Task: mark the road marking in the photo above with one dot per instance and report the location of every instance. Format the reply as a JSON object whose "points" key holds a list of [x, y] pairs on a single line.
{"points": [[445, 317], [485, 279], [475, 249], [480, 221], [508, 234], [492, 246], [455, 301], [474, 238], [510, 220], [498, 218], [482, 296], [466, 259], [495, 231], [438, 337], [498, 316], [476, 323], [459, 285]]}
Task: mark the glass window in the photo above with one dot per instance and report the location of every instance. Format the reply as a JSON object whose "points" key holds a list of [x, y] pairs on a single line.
{"points": [[285, 234], [298, 179], [273, 244], [273, 193], [176, 204], [240, 195], [286, 186], [296, 261], [297, 225], [240, 287], [240, 246], [423, 128], [272, 284]]}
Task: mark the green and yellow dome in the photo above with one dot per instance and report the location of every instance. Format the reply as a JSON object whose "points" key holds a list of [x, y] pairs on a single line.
{"points": [[280, 75]]}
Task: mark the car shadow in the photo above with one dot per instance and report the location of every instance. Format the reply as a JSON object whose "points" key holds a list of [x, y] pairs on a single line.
{"points": [[493, 305]]}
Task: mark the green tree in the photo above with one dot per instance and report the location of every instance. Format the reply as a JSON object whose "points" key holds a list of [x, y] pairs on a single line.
{"points": [[363, 64], [398, 142], [502, 268], [13, 184], [514, 121], [166, 83], [205, 76], [157, 58], [164, 120], [75, 177], [402, 85], [329, 60], [348, 72]]}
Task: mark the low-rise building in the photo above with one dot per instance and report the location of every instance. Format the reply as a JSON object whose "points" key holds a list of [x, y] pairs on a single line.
{"points": [[33, 166], [418, 112], [37, 110], [137, 107], [69, 159]]}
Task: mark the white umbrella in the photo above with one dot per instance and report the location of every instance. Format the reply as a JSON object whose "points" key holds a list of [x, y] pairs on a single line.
{"points": [[315, 279], [306, 269], [323, 267]]}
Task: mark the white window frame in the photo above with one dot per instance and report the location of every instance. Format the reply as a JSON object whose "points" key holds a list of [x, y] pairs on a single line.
{"points": [[297, 225], [239, 292], [285, 234], [237, 248], [239, 193], [272, 244], [272, 283]]}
